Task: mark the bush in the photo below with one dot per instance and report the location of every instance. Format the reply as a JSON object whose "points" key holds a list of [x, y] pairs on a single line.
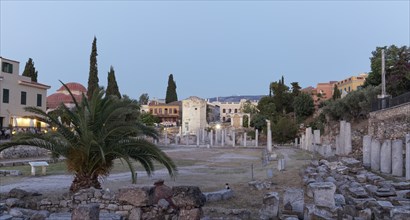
{"points": [[284, 130]]}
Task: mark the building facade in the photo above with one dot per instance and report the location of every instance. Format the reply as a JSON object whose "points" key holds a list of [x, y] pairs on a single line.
{"points": [[193, 115], [169, 114], [17, 92], [352, 83], [228, 109]]}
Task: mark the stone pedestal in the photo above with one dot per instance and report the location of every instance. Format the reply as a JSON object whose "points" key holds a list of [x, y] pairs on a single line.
{"points": [[367, 143], [375, 155], [223, 137], [211, 138], [323, 194], [342, 143], [197, 137], [187, 139], [385, 157], [407, 156], [303, 142], [296, 142], [397, 155], [281, 164]]}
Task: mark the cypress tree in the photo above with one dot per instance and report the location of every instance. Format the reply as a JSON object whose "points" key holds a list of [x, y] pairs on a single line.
{"points": [[336, 93], [30, 70], [171, 95], [93, 76], [112, 86]]}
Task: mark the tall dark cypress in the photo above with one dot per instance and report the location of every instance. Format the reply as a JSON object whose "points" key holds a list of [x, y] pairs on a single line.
{"points": [[93, 77], [171, 95], [112, 86], [30, 70]]}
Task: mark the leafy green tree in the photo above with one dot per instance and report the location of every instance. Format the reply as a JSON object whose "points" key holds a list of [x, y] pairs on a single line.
{"points": [[100, 130], [93, 75], [258, 121], [112, 86], [281, 96], [267, 107], [303, 105], [171, 95], [336, 93], [249, 108], [144, 98], [391, 58], [284, 130], [295, 88], [148, 119], [398, 76], [30, 70]]}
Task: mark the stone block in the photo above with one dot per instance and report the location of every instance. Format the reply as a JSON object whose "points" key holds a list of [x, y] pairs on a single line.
{"points": [[192, 214], [89, 212], [323, 194], [400, 214], [137, 196], [340, 200], [293, 200], [188, 196], [135, 214], [270, 206], [401, 185]]}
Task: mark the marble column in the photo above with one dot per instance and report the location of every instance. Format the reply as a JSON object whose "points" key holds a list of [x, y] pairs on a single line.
{"points": [[269, 138], [397, 157], [367, 143], [166, 138], [316, 137], [256, 137], [348, 138], [203, 135], [223, 137], [187, 139], [233, 138], [342, 137], [296, 142], [385, 157], [244, 139], [216, 137], [302, 142], [309, 139], [197, 137], [339, 147], [375, 155], [211, 138], [407, 156]]}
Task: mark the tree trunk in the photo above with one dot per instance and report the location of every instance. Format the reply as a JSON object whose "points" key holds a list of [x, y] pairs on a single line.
{"points": [[84, 181]]}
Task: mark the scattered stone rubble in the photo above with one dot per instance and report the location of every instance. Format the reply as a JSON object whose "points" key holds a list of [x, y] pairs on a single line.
{"points": [[356, 192], [131, 202], [23, 151]]}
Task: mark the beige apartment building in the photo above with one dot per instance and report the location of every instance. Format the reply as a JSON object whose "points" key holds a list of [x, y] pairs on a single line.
{"points": [[17, 92], [228, 109]]}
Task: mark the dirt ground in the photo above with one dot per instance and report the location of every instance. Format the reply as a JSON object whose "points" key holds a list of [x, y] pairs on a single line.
{"points": [[210, 169]]}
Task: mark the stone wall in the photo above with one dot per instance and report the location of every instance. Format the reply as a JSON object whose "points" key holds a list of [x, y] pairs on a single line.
{"points": [[392, 123], [131, 202], [23, 151]]}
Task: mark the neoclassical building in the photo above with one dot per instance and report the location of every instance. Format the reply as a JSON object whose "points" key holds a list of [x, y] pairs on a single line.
{"points": [[17, 92]]}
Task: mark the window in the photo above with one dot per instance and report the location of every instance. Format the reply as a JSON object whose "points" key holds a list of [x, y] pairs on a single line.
{"points": [[236, 110], [175, 111], [23, 98], [160, 111], [230, 110], [155, 111], [6, 67], [166, 111], [150, 111], [39, 100], [5, 96], [223, 110], [349, 88]]}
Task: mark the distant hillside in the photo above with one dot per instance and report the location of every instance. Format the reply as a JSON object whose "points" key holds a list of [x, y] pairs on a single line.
{"points": [[236, 98]]}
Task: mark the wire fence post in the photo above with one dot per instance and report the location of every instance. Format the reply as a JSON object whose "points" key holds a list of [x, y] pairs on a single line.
{"points": [[252, 170]]}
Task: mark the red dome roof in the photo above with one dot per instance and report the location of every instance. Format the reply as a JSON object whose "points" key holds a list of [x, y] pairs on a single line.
{"points": [[73, 87], [54, 100]]}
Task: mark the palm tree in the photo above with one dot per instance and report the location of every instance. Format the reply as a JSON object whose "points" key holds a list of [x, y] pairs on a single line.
{"points": [[100, 130]]}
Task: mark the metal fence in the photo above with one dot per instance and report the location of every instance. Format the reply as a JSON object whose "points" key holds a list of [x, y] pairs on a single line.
{"points": [[389, 102]]}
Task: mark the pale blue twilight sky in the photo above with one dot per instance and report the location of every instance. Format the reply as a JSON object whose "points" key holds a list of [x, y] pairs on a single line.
{"points": [[213, 48]]}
